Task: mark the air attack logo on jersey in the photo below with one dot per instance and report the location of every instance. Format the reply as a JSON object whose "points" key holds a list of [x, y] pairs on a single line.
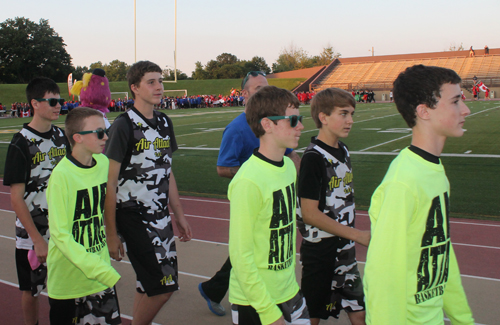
{"points": [[158, 143], [38, 158], [281, 249], [142, 145], [432, 272], [88, 228], [55, 154], [335, 181]]}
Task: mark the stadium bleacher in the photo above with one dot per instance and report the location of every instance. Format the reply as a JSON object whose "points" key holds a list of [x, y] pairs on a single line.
{"points": [[379, 72]]}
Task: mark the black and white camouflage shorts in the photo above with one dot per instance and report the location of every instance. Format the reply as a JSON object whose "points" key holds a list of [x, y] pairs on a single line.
{"points": [[294, 312], [98, 309], [330, 278], [151, 249]]}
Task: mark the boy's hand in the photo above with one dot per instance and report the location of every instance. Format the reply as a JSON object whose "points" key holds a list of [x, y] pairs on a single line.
{"points": [[280, 321], [41, 249], [364, 237], [184, 229], [115, 247]]}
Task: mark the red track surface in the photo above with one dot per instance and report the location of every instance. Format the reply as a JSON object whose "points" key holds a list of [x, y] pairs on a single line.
{"points": [[476, 243]]}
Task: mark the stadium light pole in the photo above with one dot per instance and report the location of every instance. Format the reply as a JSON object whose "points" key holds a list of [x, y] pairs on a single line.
{"points": [[175, 43], [175, 46], [135, 33]]}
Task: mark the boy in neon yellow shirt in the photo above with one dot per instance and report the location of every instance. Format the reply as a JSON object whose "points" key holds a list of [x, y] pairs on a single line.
{"points": [[80, 276], [262, 230], [411, 271]]}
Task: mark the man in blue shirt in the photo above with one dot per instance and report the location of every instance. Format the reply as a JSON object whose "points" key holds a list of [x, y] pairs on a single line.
{"points": [[238, 144]]}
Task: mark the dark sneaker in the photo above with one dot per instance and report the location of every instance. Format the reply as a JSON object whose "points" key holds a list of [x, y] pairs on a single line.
{"points": [[214, 307]]}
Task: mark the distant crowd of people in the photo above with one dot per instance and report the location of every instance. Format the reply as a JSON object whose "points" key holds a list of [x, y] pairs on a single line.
{"points": [[305, 97], [19, 109], [363, 96], [22, 109], [235, 99]]}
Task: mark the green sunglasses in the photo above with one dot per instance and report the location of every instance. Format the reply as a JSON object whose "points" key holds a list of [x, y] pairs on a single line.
{"points": [[294, 119], [52, 101], [100, 132], [253, 74]]}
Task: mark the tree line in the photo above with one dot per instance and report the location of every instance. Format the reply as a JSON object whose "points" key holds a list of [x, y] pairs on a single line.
{"points": [[29, 49]]}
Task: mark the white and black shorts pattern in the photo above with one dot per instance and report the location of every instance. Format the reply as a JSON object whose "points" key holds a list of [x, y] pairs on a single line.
{"points": [[294, 311], [97, 309]]}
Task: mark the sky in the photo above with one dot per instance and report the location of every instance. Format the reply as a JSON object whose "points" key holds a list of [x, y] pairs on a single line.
{"points": [[104, 30]]}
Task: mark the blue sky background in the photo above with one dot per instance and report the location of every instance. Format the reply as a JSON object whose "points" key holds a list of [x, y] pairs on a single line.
{"points": [[104, 30]]}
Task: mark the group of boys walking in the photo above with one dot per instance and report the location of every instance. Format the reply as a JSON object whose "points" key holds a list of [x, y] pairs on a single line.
{"points": [[411, 272], [130, 190]]}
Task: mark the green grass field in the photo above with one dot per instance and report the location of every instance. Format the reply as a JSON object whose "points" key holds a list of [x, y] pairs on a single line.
{"points": [[379, 132]]}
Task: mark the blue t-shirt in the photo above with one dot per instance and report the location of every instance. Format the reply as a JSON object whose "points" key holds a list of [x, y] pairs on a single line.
{"points": [[238, 143]]}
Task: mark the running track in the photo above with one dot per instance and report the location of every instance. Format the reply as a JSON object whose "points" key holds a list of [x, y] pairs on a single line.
{"points": [[476, 242]]}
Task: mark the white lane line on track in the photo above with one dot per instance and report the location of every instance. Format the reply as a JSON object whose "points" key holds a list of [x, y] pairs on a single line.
{"points": [[204, 200], [471, 245], [474, 224], [364, 214], [360, 262], [226, 244], [180, 272], [454, 243], [227, 220], [203, 217]]}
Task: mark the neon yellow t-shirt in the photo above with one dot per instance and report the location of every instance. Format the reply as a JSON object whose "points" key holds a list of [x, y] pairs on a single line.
{"points": [[411, 271], [262, 236], [78, 261]]}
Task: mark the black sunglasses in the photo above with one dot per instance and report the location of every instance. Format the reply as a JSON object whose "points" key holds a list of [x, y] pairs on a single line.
{"points": [[52, 101], [100, 132], [294, 119], [253, 74]]}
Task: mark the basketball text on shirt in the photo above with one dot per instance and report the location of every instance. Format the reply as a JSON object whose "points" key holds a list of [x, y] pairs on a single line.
{"points": [[433, 267]]}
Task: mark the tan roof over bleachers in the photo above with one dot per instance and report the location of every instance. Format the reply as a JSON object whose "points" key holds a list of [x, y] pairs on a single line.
{"points": [[380, 72]]}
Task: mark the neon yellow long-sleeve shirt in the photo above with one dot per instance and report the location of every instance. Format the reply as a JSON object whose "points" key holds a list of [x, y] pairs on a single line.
{"points": [[411, 271], [262, 236]]}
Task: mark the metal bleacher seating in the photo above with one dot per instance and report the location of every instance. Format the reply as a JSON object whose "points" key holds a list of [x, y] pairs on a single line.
{"points": [[381, 74]]}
